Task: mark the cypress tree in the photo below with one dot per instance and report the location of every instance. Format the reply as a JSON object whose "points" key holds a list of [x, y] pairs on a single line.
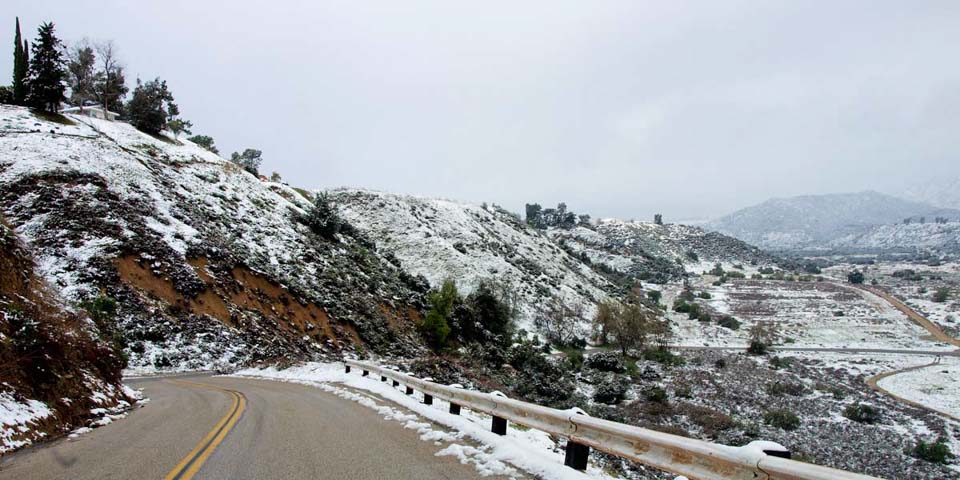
{"points": [[19, 67], [47, 71]]}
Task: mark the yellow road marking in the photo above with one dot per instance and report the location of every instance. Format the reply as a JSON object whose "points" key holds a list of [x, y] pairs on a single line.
{"points": [[190, 465]]}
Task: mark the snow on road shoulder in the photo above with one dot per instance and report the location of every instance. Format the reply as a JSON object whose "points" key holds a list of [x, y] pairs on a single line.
{"points": [[529, 450], [936, 386], [17, 420]]}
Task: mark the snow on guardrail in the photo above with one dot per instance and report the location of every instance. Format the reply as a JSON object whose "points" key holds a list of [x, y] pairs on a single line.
{"points": [[695, 459]]}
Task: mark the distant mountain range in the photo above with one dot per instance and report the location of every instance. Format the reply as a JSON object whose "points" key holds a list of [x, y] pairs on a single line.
{"points": [[849, 221]]}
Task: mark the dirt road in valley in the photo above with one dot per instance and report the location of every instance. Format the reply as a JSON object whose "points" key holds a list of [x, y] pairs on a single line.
{"points": [[232, 428]]}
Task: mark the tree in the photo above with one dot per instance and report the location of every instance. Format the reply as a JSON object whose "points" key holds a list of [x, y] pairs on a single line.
{"points": [[21, 65], [177, 125], [558, 319], [148, 107], [658, 219], [275, 177], [250, 160], [436, 324], [82, 78], [47, 73], [204, 141], [627, 324], [491, 312], [762, 337], [855, 277], [323, 218], [110, 86]]}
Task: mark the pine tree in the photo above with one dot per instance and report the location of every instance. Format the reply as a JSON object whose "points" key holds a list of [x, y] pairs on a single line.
{"points": [[19, 67], [47, 72], [149, 106]]}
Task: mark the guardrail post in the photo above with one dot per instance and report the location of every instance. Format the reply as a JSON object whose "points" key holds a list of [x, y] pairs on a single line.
{"points": [[499, 425], [383, 378], [348, 368], [366, 373], [409, 390], [396, 384], [427, 399], [454, 408], [576, 456]]}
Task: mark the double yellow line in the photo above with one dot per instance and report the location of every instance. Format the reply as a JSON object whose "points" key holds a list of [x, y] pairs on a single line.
{"points": [[190, 465]]}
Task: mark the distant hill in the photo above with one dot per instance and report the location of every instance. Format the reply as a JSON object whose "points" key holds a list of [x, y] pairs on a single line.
{"points": [[817, 221]]}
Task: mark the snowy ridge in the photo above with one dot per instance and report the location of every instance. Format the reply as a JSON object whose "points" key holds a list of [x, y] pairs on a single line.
{"points": [[924, 236], [814, 221], [656, 252], [442, 239]]}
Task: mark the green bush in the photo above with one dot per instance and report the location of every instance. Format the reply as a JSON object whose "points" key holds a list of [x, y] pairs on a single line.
{"points": [[662, 356], [779, 388], [937, 452], [726, 321], [861, 413], [655, 394], [758, 348], [782, 418], [941, 295]]}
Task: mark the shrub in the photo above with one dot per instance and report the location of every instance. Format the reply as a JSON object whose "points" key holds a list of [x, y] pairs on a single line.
{"points": [[323, 218], [779, 388], [733, 274], [611, 391], [855, 277], [862, 413], [937, 452], [655, 394], [435, 325], [720, 364], [782, 418], [726, 321], [654, 295], [757, 348], [781, 362], [662, 356], [941, 295], [704, 295], [607, 362], [681, 306]]}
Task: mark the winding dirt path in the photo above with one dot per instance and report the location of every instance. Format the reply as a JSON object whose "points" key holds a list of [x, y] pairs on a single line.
{"points": [[931, 327], [872, 383]]}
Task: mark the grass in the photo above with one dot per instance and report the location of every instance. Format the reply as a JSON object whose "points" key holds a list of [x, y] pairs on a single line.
{"points": [[53, 117]]}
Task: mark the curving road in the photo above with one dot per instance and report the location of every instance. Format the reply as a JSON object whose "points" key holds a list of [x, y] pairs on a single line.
{"points": [[231, 428]]}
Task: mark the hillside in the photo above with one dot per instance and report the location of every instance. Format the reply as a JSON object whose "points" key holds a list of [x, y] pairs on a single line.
{"points": [[209, 265], [654, 252], [907, 237], [442, 239], [59, 368], [814, 221]]}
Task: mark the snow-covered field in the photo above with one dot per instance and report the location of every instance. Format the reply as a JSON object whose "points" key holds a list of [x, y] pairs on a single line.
{"points": [[466, 436], [805, 314], [936, 386]]}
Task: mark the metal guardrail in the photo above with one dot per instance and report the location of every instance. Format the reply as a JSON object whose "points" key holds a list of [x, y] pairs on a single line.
{"points": [[695, 459]]}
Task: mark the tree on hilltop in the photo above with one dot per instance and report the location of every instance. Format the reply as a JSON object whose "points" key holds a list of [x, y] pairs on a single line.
{"points": [[250, 160], [21, 65], [149, 106], [45, 82], [82, 75]]}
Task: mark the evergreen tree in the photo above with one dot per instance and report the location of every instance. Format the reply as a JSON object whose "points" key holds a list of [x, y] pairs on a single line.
{"points": [[20, 67], [47, 73], [148, 108], [204, 141], [82, 76], [250, 160], [323, 218]]}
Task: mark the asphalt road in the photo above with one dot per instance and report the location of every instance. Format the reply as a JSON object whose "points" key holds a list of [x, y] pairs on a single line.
{"points": [[264, 430]]}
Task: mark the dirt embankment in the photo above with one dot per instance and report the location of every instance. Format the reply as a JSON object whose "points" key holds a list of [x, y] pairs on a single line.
{"points": [[49, 353]]}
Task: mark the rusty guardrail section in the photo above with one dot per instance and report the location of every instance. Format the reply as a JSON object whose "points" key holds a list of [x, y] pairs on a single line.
{"points": [[695, 459]]}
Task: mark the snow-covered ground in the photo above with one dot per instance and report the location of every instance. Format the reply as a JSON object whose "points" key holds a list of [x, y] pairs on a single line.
{"points": [[466, 436], [936, 386], [805, 314], [18, 417]]}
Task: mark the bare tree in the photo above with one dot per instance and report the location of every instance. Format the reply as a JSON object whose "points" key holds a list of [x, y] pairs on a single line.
{"points": [[559, 320], [110, 86]]}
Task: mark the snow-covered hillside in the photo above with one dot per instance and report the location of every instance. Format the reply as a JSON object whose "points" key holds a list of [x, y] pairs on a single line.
{"points": [[209, 264], [442, 239], [814, 221], [655, 252], [923, 236]]}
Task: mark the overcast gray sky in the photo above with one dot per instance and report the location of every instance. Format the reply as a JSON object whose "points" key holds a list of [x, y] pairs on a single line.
{"points": [[622, 109]]}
